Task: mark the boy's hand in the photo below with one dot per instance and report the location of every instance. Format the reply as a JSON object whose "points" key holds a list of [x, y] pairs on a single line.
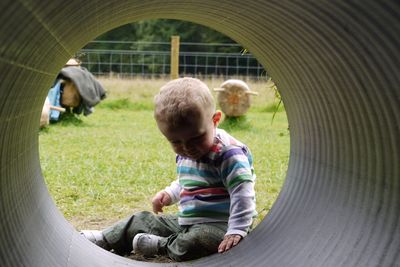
{"points": [[160, 200], [229, 242]]}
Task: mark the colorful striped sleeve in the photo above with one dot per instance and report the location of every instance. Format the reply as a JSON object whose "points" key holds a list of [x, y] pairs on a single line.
{"points": [[235, 167], [238, 172]]}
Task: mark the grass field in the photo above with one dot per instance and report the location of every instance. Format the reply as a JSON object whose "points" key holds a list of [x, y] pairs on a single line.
{"points": [[103, 167]]}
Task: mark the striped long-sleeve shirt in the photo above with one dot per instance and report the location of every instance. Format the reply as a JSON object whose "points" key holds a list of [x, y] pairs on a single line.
{"points": [[217, 188]]}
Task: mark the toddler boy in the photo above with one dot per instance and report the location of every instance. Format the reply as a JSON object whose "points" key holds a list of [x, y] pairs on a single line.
{"points": [[214, 186]]}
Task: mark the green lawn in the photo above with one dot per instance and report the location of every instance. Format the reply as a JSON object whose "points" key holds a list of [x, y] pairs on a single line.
{"points": [[105, 166]]}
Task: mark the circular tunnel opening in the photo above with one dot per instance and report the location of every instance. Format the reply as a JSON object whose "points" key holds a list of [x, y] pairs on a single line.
{"points": [[336, 65], [106, 166]]}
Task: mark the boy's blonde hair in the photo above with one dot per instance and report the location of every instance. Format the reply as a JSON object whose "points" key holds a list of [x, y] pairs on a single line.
{"points": [[181, 99]]}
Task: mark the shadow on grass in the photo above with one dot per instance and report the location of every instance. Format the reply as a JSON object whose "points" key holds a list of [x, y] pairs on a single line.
{"points": [[66, 119], [235, 123], [271, 108], [69, 118], [44, 130]]}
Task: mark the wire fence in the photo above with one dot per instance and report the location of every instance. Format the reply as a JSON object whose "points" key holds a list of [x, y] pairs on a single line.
{"points": [[153, 59]]}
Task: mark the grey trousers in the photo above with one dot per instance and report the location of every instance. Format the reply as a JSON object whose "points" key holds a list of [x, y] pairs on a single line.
{"points": [[179, 243]]}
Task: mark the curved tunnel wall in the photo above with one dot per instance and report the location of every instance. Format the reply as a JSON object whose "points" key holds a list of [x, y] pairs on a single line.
{"points": [[337, 67]]}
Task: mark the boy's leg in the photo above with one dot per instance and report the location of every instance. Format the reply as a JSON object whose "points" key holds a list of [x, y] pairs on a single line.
{"points": [[120, 235], [194, 241]]}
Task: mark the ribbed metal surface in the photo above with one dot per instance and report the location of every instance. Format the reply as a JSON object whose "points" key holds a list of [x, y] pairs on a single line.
{"points": [[337, 65]]}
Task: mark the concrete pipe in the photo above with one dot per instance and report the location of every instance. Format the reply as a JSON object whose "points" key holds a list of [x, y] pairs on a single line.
{"points": [[336, 64]]}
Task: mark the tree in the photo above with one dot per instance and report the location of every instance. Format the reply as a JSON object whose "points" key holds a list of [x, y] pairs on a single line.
{"points": [[161, 30]]}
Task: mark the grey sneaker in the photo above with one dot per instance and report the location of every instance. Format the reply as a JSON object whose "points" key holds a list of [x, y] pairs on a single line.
{"points": [[146, 244], [96, 237]]}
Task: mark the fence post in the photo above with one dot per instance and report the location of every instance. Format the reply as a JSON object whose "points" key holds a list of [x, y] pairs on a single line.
{"points": [[174, 57]]}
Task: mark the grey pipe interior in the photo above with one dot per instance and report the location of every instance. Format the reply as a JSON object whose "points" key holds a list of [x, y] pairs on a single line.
{"points": [[336, 64]]}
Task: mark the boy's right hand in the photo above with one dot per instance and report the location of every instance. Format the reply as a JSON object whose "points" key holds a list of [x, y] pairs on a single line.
{"points": [[160, 200]]}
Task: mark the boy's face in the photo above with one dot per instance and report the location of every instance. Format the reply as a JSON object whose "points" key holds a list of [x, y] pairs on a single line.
{"points": [[194, 138]]}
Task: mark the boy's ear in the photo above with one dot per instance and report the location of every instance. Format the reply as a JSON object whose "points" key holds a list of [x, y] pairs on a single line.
{"points": [[217, 117]]}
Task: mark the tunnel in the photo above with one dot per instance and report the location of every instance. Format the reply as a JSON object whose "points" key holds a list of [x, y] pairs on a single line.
{"points": [[337, 66]]}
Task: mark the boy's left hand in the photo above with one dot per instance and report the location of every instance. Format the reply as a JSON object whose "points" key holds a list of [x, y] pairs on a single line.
{"points": [[229, 242]]}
